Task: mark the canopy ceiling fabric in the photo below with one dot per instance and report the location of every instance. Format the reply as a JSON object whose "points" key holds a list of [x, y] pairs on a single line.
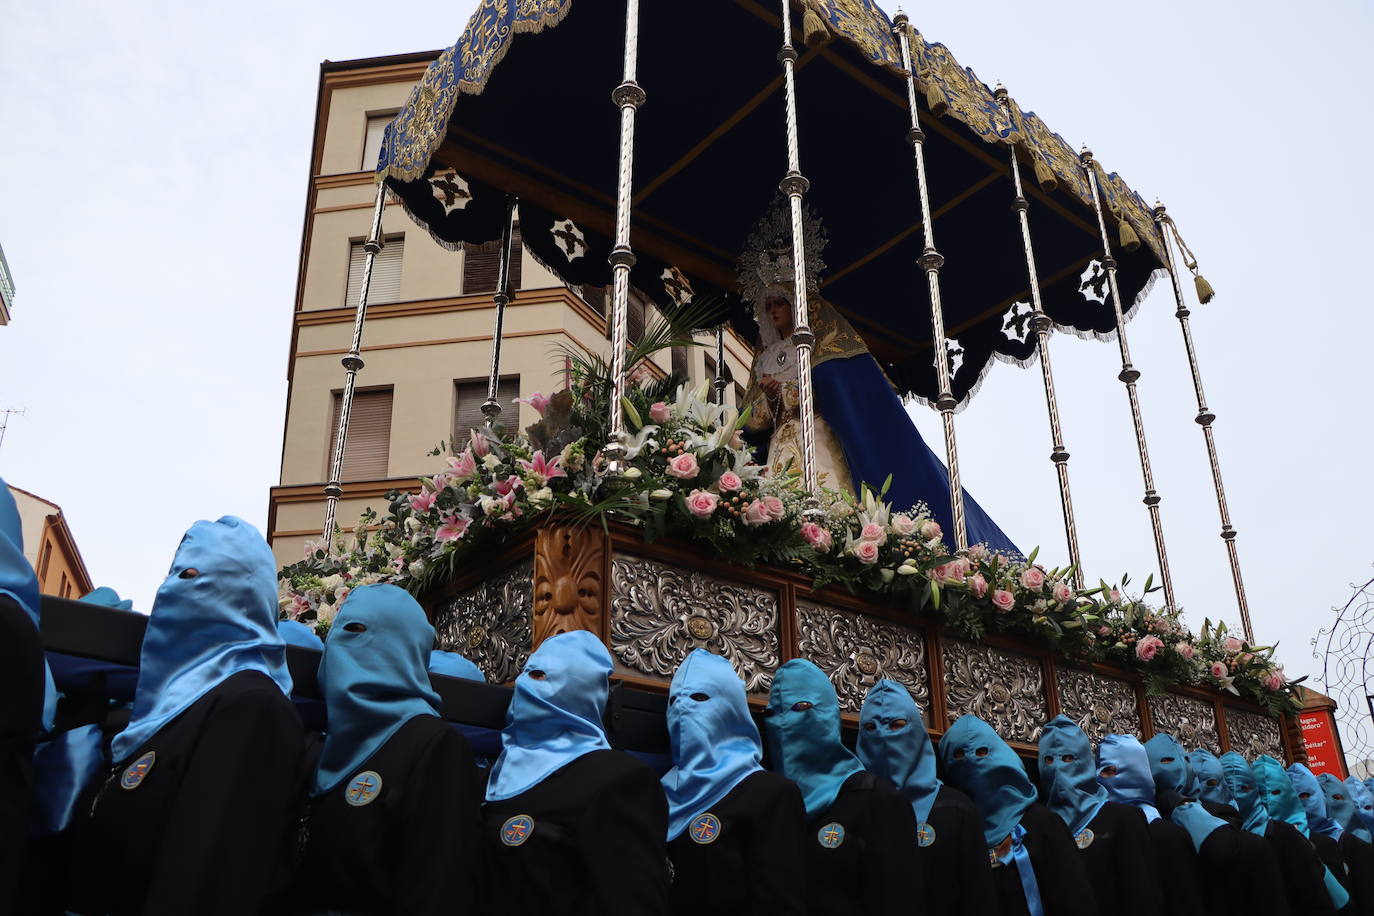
{"points": [[710, 149]]}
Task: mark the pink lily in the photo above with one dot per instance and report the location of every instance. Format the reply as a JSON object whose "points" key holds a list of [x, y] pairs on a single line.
{"points": [[463, 467], [423, 501], [508, 486], [538, 401], [452, 528], [541, 470]]}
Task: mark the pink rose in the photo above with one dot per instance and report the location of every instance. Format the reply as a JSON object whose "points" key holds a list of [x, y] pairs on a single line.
{"points": [[818, 537], [1032, 578], [729, 482], [1003, 600], [1148, 648], [684, 466], [658, 412], [1232, 645], [1061, 592], [757, 514], [978, 551], [903, 525], [1218, 670], [1275, 679], [774, 505], [478, 442], [1185, 649], [423, 501], [1104, 631], [873, 532], [702, 504], [1245, 658], [1115, 596], [866, 552], [978, 586], [930, 529]]}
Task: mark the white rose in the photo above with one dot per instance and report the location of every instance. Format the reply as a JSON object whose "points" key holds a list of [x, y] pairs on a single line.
{"points": [[412, 524], [491, 462], [417, 568], [541, 497]]}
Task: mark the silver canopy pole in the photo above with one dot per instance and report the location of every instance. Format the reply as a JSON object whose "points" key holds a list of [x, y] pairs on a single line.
{"points": [[628, 96], [491, 407], [1128, 375], [352, 362], [1204, 418], [931, 261], [720, 365], [1040, 322]]}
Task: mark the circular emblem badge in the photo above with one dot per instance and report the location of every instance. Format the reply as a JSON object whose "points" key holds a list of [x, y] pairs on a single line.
{"points": [[1084, 838], [517, 830], [704, 829], [363, 789], [831, 835], [138, 771], [925, 834]]}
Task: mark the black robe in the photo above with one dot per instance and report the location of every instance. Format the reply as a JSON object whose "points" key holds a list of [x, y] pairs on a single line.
{"points": [[1301, 870], [1359, 876], [873, 870], [1065, 889], [1180, 878], [753, 866], [597, 847], [207, 829], [21, 715], [1241, 875], [1121, 862], [1329, 852], [413, 848], [955, 867], [1167, 799]]}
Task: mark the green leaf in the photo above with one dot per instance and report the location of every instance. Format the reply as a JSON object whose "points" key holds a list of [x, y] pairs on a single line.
{"points": [[631, 414], [1033, 554], [935, 594]]}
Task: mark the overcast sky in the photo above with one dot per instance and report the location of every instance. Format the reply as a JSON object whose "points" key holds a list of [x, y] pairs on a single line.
{"points": [[156, 168]]}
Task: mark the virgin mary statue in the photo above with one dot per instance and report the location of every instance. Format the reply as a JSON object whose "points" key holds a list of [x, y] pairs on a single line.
{"points": [[863, 433]]}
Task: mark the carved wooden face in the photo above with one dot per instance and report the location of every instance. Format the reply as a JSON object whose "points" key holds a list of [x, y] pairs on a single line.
{"points": [[567, 583]]}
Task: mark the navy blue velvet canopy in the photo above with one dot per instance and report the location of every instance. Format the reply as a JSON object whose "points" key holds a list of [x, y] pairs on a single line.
{"points": [[522, 104]]}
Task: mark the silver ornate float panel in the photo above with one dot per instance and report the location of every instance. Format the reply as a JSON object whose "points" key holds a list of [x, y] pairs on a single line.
{"points": [[856, 651], [1004, 689], [490, 622], [1191, 721], [1253, 734], [661, 612], [1098, 704]]}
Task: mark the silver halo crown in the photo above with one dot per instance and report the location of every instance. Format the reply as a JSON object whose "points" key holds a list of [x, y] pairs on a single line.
{"points": [[765, 265]]}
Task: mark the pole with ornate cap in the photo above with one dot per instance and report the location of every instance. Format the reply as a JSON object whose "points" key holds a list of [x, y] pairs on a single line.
{"points": [[1128, 375], [491, 407], [1204, 418], [628, 96], [720, 365], [931, 261], [352, 362], [1041, 324]]}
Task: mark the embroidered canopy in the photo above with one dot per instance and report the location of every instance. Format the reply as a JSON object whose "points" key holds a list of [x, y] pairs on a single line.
{"points": [[522, 104]]}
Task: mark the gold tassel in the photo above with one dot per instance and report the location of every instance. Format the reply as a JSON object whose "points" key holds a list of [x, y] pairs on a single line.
{"points": [[1204, 289], [813, 29], [935, 99], [1129, 240], [1048, 183]]}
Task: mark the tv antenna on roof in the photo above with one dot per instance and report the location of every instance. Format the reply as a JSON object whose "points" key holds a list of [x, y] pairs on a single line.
{"points": [[5, 420]]}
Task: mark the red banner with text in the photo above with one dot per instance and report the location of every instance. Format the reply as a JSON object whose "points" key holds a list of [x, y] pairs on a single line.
{"points": [[1319, 736]]}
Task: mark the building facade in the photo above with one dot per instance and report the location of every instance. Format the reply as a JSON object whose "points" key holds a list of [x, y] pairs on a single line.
{"points": [[427, 342], [6, 290], [49, 546]]}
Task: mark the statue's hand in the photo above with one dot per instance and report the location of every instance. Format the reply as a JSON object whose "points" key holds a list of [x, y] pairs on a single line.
{"points": [[771, 386]]}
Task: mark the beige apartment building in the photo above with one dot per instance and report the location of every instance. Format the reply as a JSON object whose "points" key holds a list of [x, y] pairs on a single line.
{"points": [[49, 546], [427, 342]]}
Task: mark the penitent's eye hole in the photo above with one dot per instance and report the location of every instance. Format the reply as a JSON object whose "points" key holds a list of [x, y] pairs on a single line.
{"points": [[870, 726], [1302, 795], [355, 627], [701, 697], [1339, 797], [981, 752], [897, 724], [189, 573], [801, 706], [1107, 771], [1166, 760], [1210, 782], [1067, 758], [959, 754], [536, 674], [1049, 760], [1275, 792]]}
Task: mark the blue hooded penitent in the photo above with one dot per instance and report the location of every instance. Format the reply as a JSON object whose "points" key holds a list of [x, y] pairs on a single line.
{"points": [[1240, 780], [1208, 778], [1313, 801], [108, 597], [1364, 804], [715, 742], [373, 677], [454, 665], [1340, 805], [1123, 769], [296, 633], [1169, 765], [17, 580], [893, 744], [1276, 789], [1068, 774], [979, 762], [802, 724], [214, 616], [555, 714]]}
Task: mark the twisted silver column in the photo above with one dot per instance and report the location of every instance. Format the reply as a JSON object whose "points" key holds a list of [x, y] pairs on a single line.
{"points": [[931, 261], [491, 407], [352, 362], [720, 365], [1041, 324], [1204, 418], [1128, 375]]}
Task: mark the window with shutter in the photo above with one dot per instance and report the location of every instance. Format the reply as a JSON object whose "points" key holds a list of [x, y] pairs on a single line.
{"points": [[386, 272], [44, 557], [594, 296], [369, 435], [482, 265], [637, 316], [470, 395], [372, 140]]}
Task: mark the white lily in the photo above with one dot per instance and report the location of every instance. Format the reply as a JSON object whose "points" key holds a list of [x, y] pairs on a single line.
{"points": [[640, 441]]}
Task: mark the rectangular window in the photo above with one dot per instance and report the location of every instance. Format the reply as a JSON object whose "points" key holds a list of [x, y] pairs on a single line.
{"points": [[637, 319], [470, 395], [482, 265], [372, 141], [386, 272], [65, 591], [369, 435], [595, 297], [44, 558]]}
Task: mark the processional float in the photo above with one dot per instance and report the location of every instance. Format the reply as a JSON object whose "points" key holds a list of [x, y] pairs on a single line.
{"points": [[662, 182]]}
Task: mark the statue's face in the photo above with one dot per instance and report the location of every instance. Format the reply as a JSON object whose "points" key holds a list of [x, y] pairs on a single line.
{"points": [[780, 313]]}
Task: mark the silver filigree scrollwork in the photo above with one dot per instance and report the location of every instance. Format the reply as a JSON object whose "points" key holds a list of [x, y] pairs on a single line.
{"points": [[1192, 722], [1004, 689], [856, 651], [660, 612], [1098, 704], [1254, 734], [490, 622]]}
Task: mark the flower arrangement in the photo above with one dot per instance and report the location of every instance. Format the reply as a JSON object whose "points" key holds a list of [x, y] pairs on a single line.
{"points": [[689, 474]]}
